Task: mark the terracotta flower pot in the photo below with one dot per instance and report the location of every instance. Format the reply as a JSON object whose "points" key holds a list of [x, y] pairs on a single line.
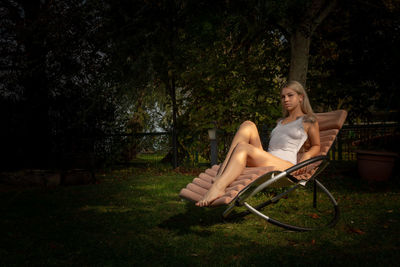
{"points": [[375, 165]]}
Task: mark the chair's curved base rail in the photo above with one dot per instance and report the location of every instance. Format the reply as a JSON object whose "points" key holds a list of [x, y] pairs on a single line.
{"points": [[227, 213], [257, 210]]}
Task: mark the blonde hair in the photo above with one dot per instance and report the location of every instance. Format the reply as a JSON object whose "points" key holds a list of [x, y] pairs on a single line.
{"points": [[305, 104]]}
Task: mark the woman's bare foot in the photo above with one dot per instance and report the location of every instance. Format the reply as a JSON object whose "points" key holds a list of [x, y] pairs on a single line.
{"points": [[210, 196]]}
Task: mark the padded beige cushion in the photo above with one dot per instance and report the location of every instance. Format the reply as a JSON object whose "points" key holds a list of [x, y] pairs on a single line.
{"points": [[329, 125], [331, 120], [195, 190]]}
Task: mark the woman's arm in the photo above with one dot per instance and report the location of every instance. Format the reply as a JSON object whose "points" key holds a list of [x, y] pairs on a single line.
{"points": [[313, 135]]}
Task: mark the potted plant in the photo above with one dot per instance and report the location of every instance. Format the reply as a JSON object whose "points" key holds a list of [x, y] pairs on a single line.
{"points": [[376, 157]]}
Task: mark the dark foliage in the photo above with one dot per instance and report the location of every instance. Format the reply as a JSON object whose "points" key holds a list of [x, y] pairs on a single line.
{"points": [[74, 74]]}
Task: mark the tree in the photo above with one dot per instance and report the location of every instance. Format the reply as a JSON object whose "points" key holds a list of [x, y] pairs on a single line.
{"points": [[301, 34], [297, 21], [354, 59], [55, 94]]}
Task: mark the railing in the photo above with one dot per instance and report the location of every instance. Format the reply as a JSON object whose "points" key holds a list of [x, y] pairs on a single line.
{"points": [[345, 148], [151, 148], [154, 149]]}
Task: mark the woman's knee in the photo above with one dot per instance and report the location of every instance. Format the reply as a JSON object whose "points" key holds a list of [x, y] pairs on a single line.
{"points": [[248, 124]]}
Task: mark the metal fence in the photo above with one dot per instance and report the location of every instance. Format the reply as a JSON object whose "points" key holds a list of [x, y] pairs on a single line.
{"points": [[346, 142], [153, 148]]}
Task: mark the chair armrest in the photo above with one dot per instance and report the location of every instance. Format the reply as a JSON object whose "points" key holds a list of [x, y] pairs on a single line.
{"points": [[305, 163]]}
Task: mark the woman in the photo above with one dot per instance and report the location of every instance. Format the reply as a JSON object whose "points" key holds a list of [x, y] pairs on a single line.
{"points": [[297, 125]]}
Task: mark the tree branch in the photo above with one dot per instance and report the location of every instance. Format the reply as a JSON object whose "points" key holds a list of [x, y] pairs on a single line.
{"points": [[323, 14]]}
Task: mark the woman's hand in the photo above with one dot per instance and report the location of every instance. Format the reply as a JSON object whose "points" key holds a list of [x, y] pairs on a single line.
{"points": [[305, 157], [303, 170]]}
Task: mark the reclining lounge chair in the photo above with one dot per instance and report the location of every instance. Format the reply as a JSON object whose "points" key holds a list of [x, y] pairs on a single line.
{"points": [[253, 180]]}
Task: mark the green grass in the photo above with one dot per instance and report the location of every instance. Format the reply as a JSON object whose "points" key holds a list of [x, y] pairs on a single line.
{"points": [[151, 156], [154, 159], [133, 217]]}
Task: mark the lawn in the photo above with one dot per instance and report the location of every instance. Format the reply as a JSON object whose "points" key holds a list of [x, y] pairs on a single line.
{"points": [[133, 217]]}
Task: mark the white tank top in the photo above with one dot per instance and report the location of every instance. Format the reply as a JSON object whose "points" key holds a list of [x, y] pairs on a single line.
{"points": [[287, 139]]}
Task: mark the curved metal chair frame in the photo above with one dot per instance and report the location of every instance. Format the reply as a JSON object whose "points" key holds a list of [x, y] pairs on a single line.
{"points": [[283, 177]]}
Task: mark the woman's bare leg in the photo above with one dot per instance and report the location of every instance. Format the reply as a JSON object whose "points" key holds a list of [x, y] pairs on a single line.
{"points": [[243, 154], [246, 133]]}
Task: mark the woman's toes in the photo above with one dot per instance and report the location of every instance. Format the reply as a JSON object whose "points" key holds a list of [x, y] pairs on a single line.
{"points": [[200, 203]]}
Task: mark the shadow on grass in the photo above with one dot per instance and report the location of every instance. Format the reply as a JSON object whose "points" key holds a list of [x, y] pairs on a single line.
{"points": [[183, 223]]}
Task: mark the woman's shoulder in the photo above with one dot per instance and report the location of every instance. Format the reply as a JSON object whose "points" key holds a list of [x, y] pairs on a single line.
{"points": [[310, 118], [310, 122]]}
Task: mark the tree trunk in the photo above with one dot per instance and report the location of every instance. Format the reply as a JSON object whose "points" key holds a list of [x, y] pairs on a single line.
{"points": [[300, 48], [300, 38], [174, 133]]}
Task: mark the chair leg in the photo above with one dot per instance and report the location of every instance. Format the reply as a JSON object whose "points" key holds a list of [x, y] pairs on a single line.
{"points": [[273, 200], [317, 184]]}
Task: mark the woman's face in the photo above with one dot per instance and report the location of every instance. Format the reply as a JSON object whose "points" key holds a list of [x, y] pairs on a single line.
{"points": [[290, 99]]}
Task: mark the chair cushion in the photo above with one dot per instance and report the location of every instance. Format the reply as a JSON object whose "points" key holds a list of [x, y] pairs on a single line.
{"points": [[331, 120], [195, 190]]}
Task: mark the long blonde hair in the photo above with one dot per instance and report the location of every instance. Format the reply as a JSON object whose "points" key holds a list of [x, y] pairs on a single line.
{"points": [[305, 104]]}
